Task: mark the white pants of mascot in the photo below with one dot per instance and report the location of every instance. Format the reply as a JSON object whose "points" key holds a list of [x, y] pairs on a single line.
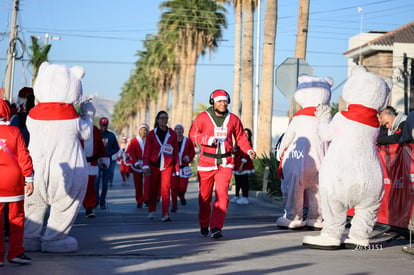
{"points": [[61, 177], [301, 163], [350, 177]]}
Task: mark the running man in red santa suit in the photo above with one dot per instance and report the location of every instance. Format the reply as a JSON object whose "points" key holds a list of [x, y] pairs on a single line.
{"points": [[136, 152], [16, 170], [160, 161], [186, 155], [214, 130]]}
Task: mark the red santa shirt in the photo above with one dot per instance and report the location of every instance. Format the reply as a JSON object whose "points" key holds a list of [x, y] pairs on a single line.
{"points": [[167, 151], [186, 153], [136, 152], [204, 131], [15, 163]]}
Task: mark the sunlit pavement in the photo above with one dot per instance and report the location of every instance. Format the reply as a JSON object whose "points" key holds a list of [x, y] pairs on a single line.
{"points": [[121, 240]]}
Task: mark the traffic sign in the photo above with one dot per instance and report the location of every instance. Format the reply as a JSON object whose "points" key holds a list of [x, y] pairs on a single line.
{"points": [[288, 72]]}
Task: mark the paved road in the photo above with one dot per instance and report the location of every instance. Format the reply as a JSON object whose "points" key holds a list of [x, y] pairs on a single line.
{"points": [[120, 240]]}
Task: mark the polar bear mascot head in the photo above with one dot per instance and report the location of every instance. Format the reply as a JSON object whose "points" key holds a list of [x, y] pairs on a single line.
{"points": [[313, 91], [59, 83]]}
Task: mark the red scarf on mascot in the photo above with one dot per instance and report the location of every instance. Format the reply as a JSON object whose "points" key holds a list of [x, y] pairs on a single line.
{"points": [[362, 114], [53, 111]]}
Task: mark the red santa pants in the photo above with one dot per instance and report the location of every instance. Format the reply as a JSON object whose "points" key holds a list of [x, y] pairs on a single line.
{"points": [[89, 202], [220, 179], [125, 170], [138, 183], [178, 189], [16, 219], [160, 178]]}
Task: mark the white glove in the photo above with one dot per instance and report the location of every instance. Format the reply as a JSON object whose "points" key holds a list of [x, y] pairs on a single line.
{"points": [[323, 113], [103, 162], [87, 109]]}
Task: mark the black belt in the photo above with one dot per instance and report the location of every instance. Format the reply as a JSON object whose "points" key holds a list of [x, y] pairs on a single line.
{"points": [[217, 156], [92, 158]]}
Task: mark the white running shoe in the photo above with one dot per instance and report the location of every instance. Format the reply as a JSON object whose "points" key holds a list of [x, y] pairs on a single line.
{"points": [[234, 199], [242, 200], [151, 215]]}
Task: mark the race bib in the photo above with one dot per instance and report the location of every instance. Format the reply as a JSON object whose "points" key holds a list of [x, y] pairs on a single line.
{"points": [[167, 149], [220, 133], [187, 172]]}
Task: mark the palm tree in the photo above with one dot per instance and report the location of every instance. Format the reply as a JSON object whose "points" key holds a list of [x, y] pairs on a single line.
{"points": [[264, 144], [199, 24], [39, 55]]}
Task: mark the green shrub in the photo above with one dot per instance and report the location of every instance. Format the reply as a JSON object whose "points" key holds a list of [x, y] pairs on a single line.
{"points": [[273, 186]]}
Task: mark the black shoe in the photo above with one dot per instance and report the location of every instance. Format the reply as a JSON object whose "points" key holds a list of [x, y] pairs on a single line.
{"points": [[139, 205], [21, 259], [173, 209], [204, 231], [216, 233], [145, 204], [89, 213], [183, 201]]}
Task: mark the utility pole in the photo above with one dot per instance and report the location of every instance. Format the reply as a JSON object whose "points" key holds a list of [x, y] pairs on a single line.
{"points": [[11, 54], [48, 37]]}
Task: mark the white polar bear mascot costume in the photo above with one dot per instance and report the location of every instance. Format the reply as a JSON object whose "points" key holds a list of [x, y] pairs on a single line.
{"points": [[61, 173], [303, 155], [351, 175]]}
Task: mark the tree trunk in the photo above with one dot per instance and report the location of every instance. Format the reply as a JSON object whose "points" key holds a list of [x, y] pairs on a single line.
{"points": [[264, 144], [247, 69], [237, 61], [301, 43], [174, 98], [190, 79]]}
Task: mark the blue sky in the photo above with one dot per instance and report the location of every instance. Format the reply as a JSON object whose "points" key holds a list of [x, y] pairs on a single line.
{"points": [[103, 36]]}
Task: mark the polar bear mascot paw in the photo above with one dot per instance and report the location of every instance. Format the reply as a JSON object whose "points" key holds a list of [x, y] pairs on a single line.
{"points": [[301, 152], [350, 175]]}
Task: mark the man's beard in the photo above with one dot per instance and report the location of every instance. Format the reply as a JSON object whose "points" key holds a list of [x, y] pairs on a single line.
{"points": [[220, 113]]}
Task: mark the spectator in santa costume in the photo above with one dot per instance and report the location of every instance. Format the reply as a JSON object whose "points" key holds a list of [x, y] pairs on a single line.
{"points": [[214, 130], [95, 154], [136, 152], [243, 167], [160, 162], [124, 160], [16, 171], [186, 154]]}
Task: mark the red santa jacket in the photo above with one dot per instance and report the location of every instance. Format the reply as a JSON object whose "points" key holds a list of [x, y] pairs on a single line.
{"points": [[243, 164], [15, 164], [123, 156], [204, 131], [186, 150], [167, 151], [136, 152], [95, 151]]}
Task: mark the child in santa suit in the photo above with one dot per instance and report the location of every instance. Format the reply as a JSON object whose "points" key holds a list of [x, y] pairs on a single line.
{"points": [[124, 160], [186, 154], [16, 171], [160, 161], [136, 153], [95, 153]]}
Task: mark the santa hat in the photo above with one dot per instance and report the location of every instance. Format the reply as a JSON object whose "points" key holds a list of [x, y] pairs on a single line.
{"points": [[103, 121], [178, 125], [218, 95], [4, 111], [143, 125]]}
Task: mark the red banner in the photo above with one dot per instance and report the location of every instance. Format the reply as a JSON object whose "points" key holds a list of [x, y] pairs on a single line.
{"points": [[398, 201]]}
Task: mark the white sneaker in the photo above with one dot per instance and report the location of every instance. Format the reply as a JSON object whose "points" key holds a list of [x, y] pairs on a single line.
{"points": [[151, 215], [166, 218], [242, 200], [234, 199]]}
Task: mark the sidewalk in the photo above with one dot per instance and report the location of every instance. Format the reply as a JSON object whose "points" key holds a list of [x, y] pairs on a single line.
{"points": [[121, 240]]}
